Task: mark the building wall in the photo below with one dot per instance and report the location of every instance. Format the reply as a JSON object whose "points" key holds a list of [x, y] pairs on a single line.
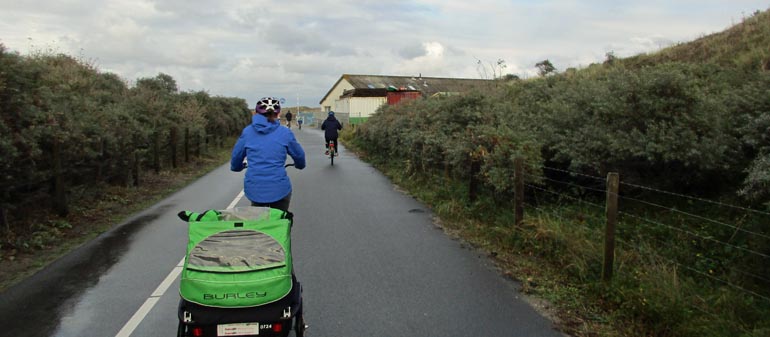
{"points": [[341, 105], [364, 107], [394, 97], [330, 102], [358, 108]]}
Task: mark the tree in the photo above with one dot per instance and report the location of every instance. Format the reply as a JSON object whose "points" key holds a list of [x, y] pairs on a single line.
{"points": [[610, 58], [495, 68], [545, 68], [510, 77], [500, 66]]}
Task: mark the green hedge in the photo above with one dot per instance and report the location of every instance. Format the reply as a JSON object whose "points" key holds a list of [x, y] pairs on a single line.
{"points": [[682, 127], [102, 130]]}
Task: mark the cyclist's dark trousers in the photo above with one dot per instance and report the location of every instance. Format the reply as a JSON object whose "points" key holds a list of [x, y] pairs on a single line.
{"points": [[282, 204], [336, 144]]}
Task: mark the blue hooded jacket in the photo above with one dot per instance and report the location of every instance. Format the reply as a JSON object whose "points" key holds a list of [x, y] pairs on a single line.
{"points": [[265, 146]]}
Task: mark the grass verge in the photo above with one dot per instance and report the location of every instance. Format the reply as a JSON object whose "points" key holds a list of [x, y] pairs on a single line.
{"points": [[556, 255]]}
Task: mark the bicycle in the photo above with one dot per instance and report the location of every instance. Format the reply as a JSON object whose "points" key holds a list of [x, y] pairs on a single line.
{"points": [[332, 151]]}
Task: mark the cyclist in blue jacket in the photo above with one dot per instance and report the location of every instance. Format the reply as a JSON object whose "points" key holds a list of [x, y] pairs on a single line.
{"points": [[265, 145]]}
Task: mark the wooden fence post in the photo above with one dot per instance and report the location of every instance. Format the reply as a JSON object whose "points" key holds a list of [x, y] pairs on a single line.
{"points": [[186, 145], [60, 196], [156, 152], [613, 183], [473, 184], [4, 220], [136, 168], [518, 197], [173, 144], [101, 163], [198, 144]]}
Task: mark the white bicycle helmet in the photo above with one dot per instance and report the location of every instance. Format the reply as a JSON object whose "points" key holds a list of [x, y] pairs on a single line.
{"points": [[268, 104]]}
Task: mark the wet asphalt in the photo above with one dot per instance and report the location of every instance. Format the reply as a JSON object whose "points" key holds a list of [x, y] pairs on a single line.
{"points": [[370, 260]]}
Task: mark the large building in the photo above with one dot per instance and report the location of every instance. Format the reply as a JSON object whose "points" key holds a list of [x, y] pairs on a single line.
{"points": [[359, 96]]}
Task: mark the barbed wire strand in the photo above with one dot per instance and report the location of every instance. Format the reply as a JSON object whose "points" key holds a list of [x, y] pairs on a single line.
{"points": [[680, 249], [696, 216], [696, 198], [599, 219], [654, 190], [668, 226], [695, 234], [567, 196], [566, 171], [717, 279], [567, 183], [543, 210], [691, 304], [658, 223]]}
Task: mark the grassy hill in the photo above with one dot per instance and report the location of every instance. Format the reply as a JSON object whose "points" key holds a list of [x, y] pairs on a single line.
{"points": [[743, 45], [302, 108]]}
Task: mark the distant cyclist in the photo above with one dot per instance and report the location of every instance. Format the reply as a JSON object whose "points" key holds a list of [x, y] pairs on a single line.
{"points": [[331, 125], [288, 119], [265, 145]]}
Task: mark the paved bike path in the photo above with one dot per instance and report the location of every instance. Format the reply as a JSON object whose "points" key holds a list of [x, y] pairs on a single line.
{"points": [[373, 264], [370, 260]]}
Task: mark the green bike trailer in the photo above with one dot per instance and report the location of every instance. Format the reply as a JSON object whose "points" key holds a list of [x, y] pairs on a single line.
{"points": [[237, 258], [238, 278]]}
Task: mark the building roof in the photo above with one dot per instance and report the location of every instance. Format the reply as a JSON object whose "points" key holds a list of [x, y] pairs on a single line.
{"points": [[379, 92], [428, 86]]}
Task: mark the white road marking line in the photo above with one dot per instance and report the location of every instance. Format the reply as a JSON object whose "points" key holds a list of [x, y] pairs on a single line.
{"points": [[138, 317], [169, 279], [236, 200], [148, 304]]}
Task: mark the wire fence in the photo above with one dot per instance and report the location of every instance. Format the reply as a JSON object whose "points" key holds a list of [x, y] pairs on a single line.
{"points": [[681, 251], [698, 304], [687, 231]]}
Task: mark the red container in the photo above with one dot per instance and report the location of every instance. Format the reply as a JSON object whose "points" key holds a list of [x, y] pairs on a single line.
{"points": [[397, 96]]}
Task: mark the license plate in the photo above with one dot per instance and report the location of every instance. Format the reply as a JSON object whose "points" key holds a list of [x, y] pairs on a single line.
{"points": [[238, 329]]}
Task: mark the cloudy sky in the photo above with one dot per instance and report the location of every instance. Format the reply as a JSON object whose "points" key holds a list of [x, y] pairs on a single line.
{"points": [[287, 48]]}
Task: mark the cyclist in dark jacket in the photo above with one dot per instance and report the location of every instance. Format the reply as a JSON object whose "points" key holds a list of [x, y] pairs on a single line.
{"points": [[330, 127], [288, 119]]}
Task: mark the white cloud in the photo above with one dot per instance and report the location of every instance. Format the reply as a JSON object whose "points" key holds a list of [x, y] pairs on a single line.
{"points": [[431, 58], [269, 47], [433, 50]]}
